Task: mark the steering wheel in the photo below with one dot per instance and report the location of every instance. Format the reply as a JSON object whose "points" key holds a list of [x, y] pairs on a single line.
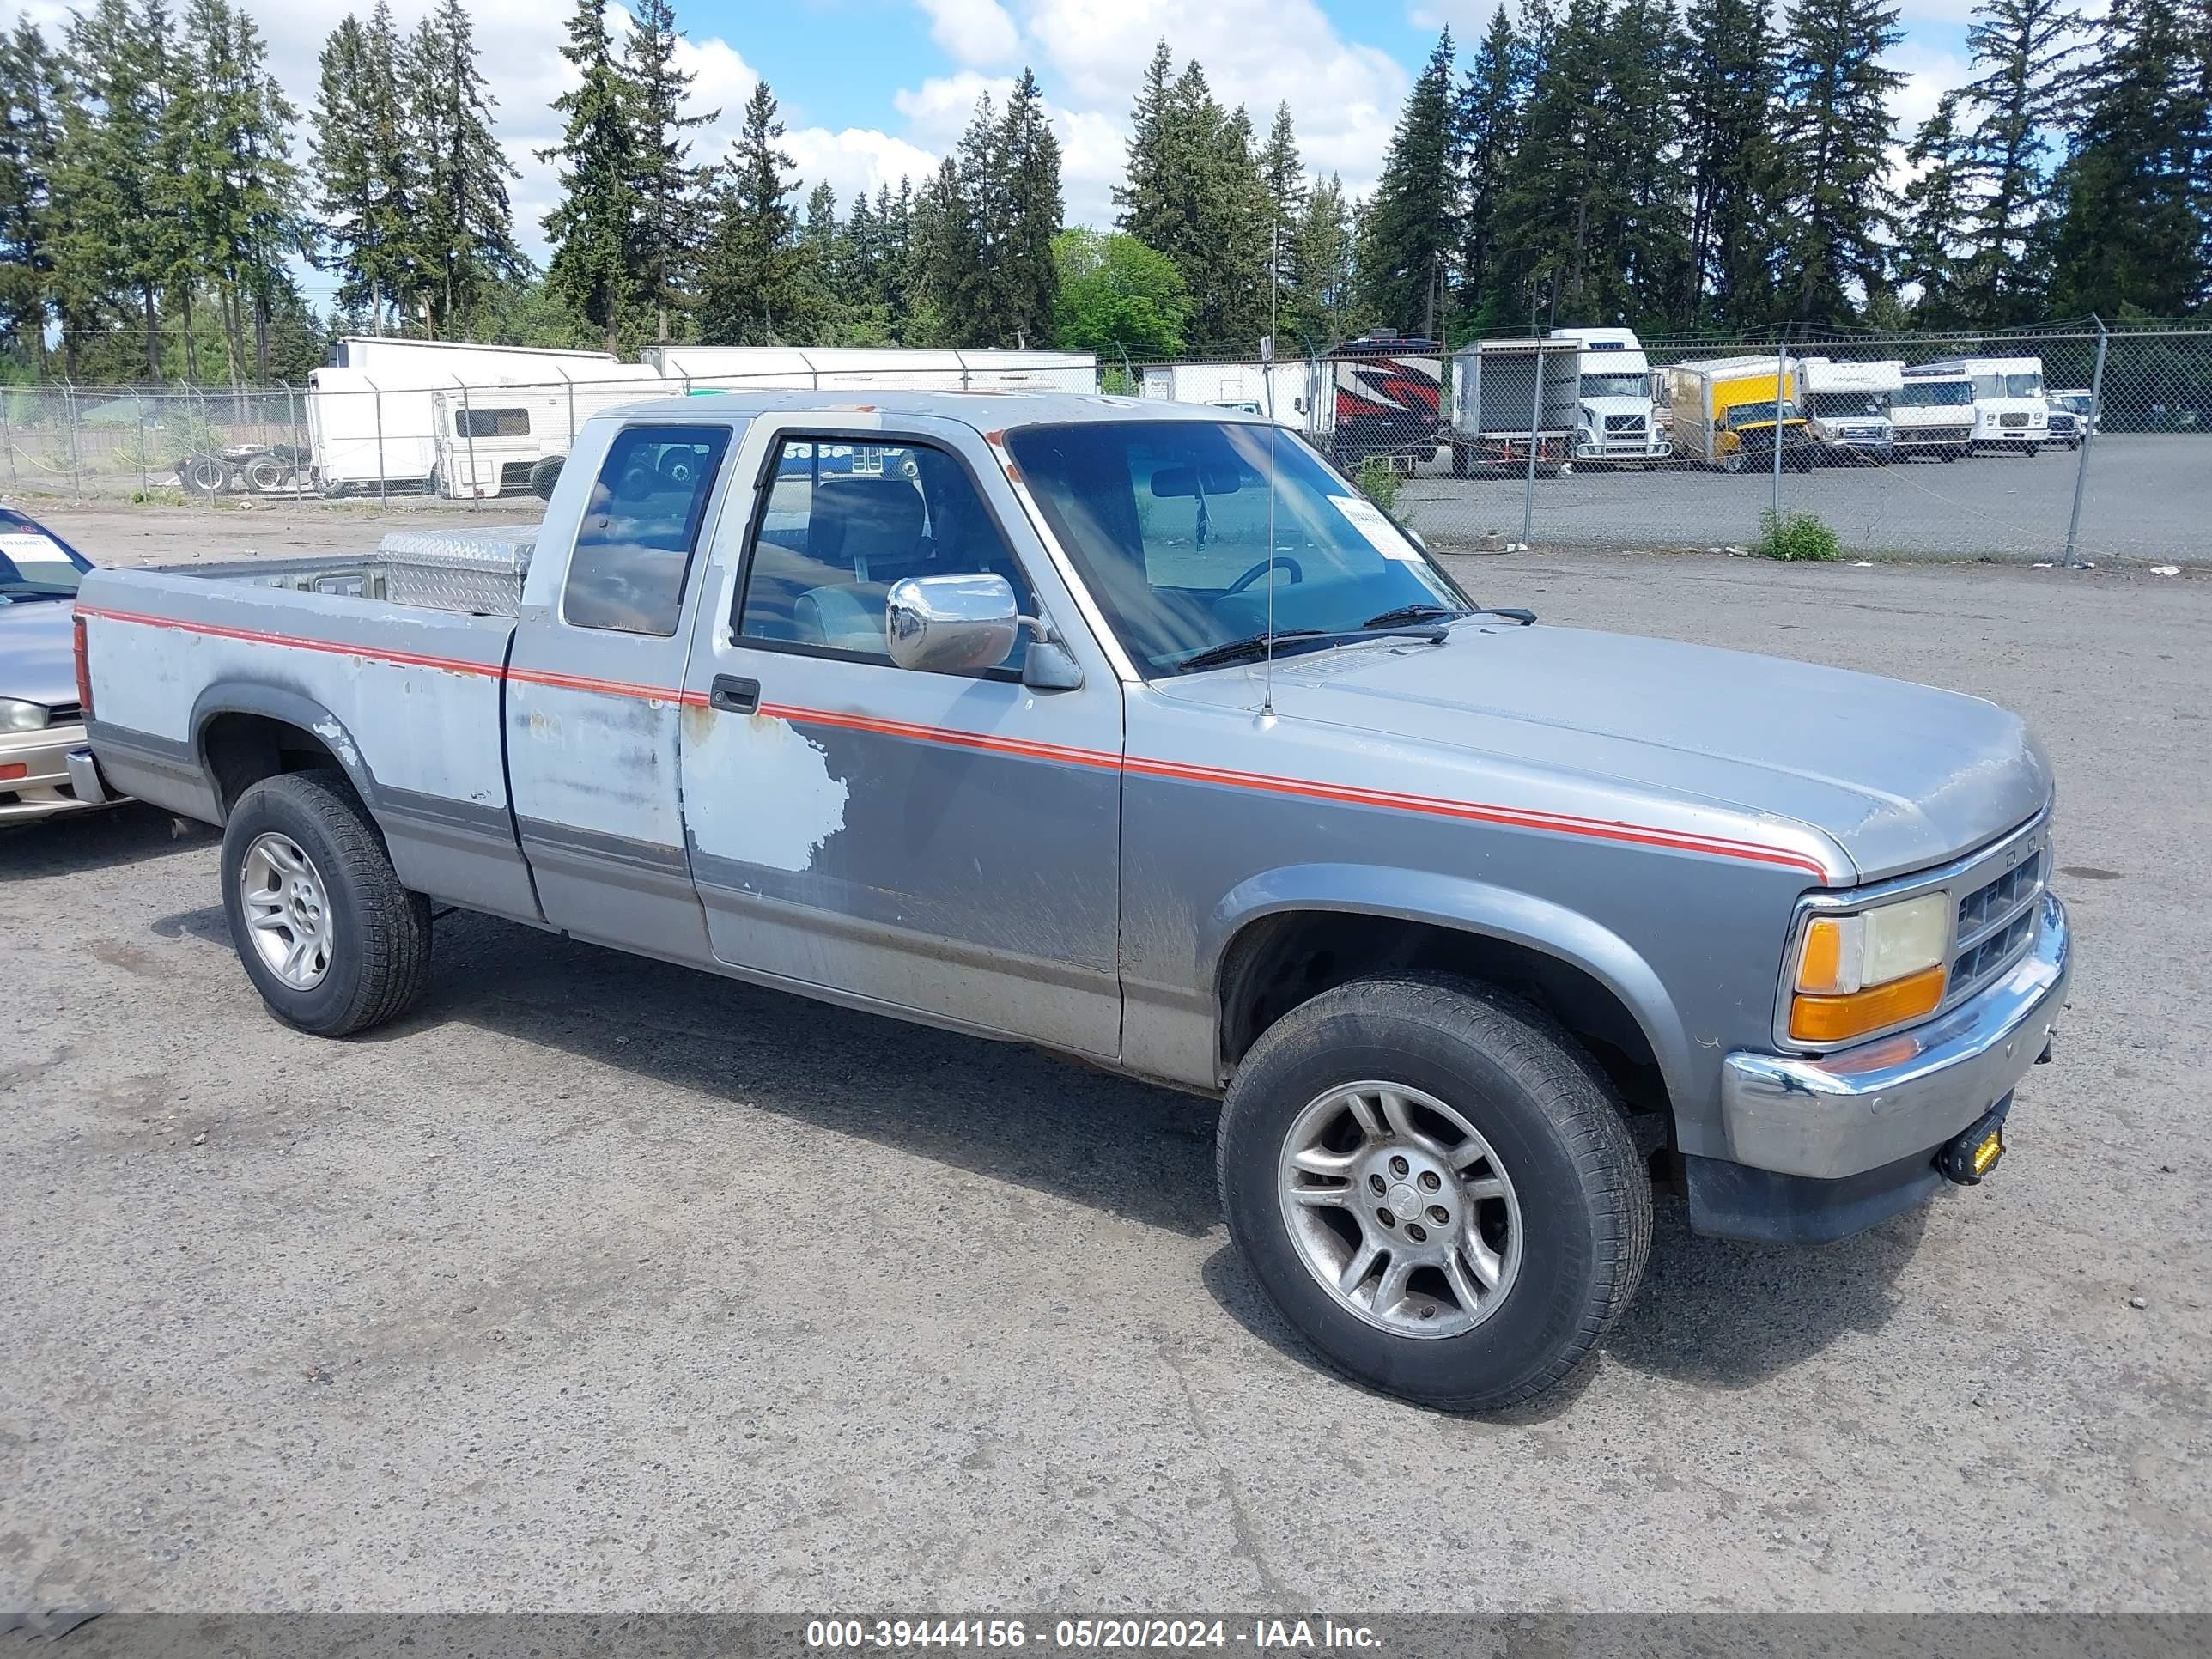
{"points": [[1298, 573]]}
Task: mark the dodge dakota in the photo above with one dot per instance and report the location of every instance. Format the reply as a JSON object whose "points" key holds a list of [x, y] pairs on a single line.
{"points": [[1133, 731]]}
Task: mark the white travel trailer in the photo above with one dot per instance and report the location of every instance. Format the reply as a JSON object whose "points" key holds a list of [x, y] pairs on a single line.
{"points": [[374, 418], [1617, 421], [886, 368], [507, 439], [1255, 387], [2009, 412], [1849, 406], [1932, 412]]}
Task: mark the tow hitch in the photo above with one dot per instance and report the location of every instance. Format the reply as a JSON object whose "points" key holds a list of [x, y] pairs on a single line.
{"points": [[1976, 1150]]}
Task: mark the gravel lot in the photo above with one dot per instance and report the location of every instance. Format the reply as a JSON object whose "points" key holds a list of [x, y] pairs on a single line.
{"points": [[597, 1284], [2149, 498]]}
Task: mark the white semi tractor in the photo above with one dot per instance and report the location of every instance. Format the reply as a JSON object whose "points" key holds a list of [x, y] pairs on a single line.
{"points": [[1617, 422]]}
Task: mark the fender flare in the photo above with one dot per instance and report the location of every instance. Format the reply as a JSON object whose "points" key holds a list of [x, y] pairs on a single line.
{"points": [[289, 708], [1465, 905]]}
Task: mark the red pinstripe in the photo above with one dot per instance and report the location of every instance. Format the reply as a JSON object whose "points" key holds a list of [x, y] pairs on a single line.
{"points": [[1350, 795]]}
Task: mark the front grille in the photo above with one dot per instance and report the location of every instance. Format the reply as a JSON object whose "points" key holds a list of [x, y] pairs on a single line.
{"points": [[64, 714], [1995, 922], [1619, 426], [2012, 420]]}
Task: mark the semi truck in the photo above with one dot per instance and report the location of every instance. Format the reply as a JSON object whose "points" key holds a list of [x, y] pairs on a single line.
{"points": [[1485, 924], [1509, 396], [1725, 413], [1616, 421]]}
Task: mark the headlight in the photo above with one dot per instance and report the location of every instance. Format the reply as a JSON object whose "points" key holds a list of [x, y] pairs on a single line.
{"points": [[1876, 969], [17, 716]]}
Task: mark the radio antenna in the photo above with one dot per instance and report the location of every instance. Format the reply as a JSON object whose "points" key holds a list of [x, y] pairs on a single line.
{"points": [[1267, 368]]}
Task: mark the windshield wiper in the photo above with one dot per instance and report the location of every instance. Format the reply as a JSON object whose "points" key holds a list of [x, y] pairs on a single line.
{"points": [[1256, 644], [1419, 610]]}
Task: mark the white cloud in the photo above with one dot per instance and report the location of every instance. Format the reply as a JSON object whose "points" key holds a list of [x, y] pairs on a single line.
{"points": [[1469, 19], [975, 31]]}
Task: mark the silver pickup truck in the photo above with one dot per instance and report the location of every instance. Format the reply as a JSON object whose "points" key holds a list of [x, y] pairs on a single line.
{"points": [[1135, 732]]}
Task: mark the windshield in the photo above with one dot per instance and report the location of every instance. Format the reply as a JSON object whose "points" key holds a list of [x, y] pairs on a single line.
{"points": [[1930, 394], [2075, 402], [34, 565], [2023, 386], [1617, 386], [1168, 522], [1835, 405], [1752, 414]]}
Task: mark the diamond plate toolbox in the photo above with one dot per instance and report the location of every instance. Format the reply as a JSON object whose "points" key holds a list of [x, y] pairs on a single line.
{"points": [[478, 571]]}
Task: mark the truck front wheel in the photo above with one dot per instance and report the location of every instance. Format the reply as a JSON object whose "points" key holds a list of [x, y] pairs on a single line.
{"points": [[329, 937], [1435, 1188]]}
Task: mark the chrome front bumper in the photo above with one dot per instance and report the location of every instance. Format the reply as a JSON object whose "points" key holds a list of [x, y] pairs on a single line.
{"points": [[43, 787], [1836, 1114]]}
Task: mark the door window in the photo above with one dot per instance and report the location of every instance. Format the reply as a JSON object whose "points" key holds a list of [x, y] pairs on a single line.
{"points": [[845, 521], [640, 527]]}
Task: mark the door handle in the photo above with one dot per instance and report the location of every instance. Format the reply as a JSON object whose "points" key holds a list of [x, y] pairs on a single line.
{"points": [[738, 697]]}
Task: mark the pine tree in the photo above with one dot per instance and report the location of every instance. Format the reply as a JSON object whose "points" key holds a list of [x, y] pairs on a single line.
{"points": [[1486, 119], [368, 160], [1650, 260], [594, 229], [671, 191], [465, 240], [1406, 243], [751, 292], [1029, 200], [1322, 310], [122, 232], [1729, 90], [1559, 183], [30, 137], [1286, 173], [2026, 51], [1835, 126], [1195, 192], [1934, 223], [2132, 236]]}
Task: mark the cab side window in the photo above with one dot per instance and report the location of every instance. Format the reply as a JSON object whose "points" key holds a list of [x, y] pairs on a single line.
{"points": [[844, 521], [641, 527]]}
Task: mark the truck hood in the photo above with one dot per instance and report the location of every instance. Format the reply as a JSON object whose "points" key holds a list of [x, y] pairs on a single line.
{"points": [[1901, 776], [37, 652], [1617, 406]]}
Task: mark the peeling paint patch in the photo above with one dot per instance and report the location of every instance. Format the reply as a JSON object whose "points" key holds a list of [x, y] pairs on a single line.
{"points": [[341, 745], [771, 800]]}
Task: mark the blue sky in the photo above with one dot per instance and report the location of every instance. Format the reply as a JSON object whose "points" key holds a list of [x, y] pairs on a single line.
{"points": [[874, 89]]}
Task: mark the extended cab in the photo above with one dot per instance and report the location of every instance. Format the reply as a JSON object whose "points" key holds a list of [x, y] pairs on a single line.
{"points": [[1131, 730]]}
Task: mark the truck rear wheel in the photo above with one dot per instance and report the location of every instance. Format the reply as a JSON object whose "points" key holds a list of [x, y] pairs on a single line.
{"points": [[329, 937], [1435, 1188]]}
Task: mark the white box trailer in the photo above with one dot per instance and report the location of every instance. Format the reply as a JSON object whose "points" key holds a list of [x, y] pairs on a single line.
{"points": [[372, 415], [1256, 388], [1508, 394], [888, 368], [1616, 421]]}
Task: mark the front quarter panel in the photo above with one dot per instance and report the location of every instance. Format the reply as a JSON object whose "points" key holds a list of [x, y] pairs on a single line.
{"points": [[1690, 941]]}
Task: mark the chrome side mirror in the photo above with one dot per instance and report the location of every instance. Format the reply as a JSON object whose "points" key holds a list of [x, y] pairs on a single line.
{"points": [[951, 625]]}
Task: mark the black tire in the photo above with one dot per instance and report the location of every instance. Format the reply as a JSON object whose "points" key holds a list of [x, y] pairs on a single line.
{"points": [[544, 473], [1584, 1195], [380, 962], [203, 475], [267, 474]]}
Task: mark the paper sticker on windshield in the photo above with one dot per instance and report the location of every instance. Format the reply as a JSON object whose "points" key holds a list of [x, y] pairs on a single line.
{"points": [[33, 548], [1381, 535]]}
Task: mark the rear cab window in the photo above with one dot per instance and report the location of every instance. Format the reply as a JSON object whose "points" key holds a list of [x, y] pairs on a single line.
{"points": [[640, 528]]}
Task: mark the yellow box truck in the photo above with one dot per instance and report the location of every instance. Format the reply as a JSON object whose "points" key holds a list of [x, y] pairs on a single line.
{"points": [[1724, 413]]}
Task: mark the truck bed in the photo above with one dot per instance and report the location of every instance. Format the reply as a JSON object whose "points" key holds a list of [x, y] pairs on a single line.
{"points": [[396, 661]]}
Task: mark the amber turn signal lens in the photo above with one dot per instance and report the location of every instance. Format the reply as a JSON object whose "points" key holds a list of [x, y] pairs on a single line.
{"points": [[1835, 1020]]}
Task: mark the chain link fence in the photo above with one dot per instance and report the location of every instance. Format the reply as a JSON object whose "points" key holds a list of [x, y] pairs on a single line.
{"points": [[2070, 442]]}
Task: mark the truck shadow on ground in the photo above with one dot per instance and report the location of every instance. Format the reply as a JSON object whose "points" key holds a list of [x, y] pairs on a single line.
{"points": [[78, 841], [1712, 1313]]}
